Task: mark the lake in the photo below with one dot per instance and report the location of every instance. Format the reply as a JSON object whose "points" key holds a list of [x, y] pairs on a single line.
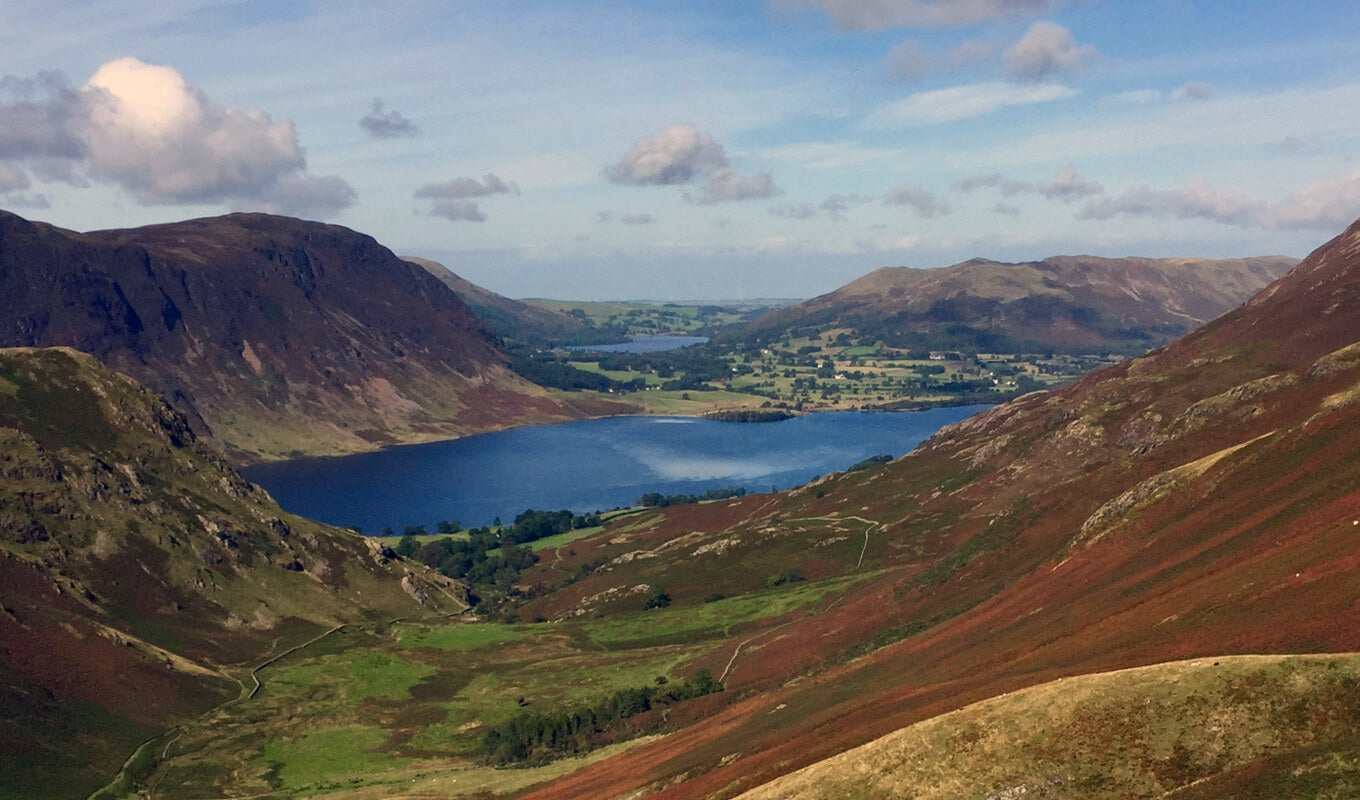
{"points": [[645, 344], [590, 465]]}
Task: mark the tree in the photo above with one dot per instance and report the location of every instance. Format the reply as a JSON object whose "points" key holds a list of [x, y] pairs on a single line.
{"points": [[657, 599]]}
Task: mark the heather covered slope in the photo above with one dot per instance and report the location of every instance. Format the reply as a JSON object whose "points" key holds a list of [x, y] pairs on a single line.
{"points": [[275, 335], [1084, 303], [141, 576], [1199, 501]]}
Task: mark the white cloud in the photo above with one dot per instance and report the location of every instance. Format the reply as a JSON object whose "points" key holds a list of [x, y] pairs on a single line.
{"points": [[917, 199], [457, 210], [673, 155], [961, 102], [146, 129], [1047, 51], [1069, 185], [1009, 187], [383, 123], [681, 154], [726, 184], [882, 14], [463, 188], [637, 219], [1327, 204], [1196, 200], [452, 199]]}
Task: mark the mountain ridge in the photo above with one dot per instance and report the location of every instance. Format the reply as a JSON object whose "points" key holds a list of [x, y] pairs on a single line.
{"points": [[1128, 304], [277, 336]]}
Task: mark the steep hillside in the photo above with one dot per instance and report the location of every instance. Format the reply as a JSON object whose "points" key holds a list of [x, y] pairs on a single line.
{"points": [[516, 322], [1228, 723], [276, 336], [1199, 501], [1067, 302], [141, 577]]}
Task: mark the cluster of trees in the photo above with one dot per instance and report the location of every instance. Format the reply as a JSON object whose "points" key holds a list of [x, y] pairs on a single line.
{"points": [[471, 558], [541, 737], [658, 500], [871, 461], [491, 557], [547, 369]]}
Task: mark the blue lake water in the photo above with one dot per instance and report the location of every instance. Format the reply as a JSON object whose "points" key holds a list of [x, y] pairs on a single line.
{"points": [[585, 466], [646, 344]]}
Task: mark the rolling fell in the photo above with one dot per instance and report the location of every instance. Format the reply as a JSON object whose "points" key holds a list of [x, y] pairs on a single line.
{"points": [[1070, 303], [277, 337]]}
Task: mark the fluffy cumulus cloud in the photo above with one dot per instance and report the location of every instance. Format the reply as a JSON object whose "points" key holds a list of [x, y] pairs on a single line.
{"points": [[454, 200], [1047, 51], [918, 200], [681, 155], [145, 128], [883, 14], [383, 123], [673, 155]]}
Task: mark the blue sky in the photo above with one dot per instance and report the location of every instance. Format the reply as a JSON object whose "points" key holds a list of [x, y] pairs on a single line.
{"points": [[688, 150]]}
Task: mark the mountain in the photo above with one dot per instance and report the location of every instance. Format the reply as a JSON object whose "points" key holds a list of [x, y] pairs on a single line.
{"points": [[1194, 503], [516, 322], [141, 578], [1067, 302], [276, 336]]}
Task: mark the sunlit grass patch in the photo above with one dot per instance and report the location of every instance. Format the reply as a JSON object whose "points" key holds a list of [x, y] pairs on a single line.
{"points": [[462, 635], [711, 619], [329, 758]]}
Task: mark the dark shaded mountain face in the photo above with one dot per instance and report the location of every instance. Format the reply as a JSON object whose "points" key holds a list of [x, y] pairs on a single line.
{"points": [[1201, 500], [516, 322], [141, 576], [277, 336], [1081, 303]]}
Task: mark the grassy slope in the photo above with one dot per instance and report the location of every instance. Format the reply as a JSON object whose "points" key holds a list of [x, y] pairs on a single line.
{"points": [[1139, 733]]}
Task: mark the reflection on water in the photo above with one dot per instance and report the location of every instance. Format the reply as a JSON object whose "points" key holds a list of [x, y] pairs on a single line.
{"points": [[585, 466]]}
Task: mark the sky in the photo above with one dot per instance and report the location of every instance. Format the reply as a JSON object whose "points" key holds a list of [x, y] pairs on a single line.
{"points": [[696, 149]]}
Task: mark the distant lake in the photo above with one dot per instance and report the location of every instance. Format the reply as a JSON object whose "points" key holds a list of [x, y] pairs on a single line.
{"points": [[585, 466], [646, 344]]}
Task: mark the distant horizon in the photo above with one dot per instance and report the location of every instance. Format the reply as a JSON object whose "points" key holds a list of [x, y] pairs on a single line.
{"points": [[741, 148], [716, 299]]}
